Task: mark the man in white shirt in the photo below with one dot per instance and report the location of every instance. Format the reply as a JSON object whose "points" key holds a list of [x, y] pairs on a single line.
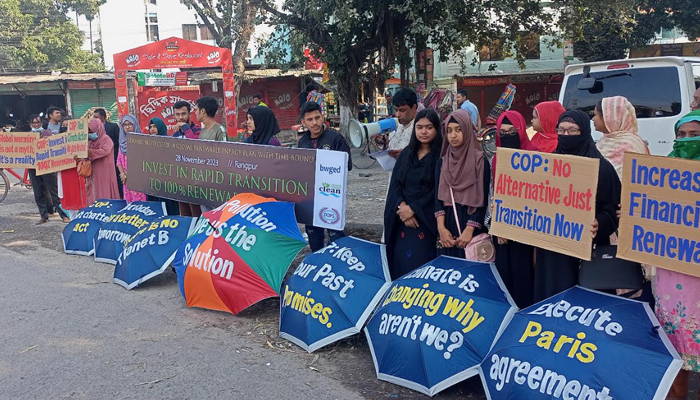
{"points": [[405, 108]]}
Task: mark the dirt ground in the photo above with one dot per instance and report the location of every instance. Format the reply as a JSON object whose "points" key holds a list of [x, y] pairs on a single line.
{"points": [[347, 362]]}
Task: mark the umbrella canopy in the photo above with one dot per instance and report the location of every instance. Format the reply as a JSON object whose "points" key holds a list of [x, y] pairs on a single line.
{"points": [[151, 250], [110, 239], [582, 344], [238, 254], [333, 292], [78, 235], [436, 324]]}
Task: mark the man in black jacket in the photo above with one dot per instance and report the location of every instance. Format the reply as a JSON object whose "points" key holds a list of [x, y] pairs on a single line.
{"points": [[112, 130], [318, 136]]}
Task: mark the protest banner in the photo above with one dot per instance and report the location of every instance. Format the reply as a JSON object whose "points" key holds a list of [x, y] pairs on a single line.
{"points": [[17, 149], [78, 235], [119, 227], [585, 345], [436, 324], [545, 200], [154, 103], [56, 152], [660, 213], [48, 154], [210, 173], [333, 292]]}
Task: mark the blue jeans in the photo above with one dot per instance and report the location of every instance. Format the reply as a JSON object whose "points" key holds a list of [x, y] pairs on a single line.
{"points": [[317, 237]]}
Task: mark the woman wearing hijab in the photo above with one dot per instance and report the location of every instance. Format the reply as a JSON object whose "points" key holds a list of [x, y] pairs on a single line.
{"points": [[514, 260], [156, 126], [545, 118], [129, 124], [102, 184], [465, 174], [263, 123], [615, 117], [678, 295], [555, 272], [409, 216]]}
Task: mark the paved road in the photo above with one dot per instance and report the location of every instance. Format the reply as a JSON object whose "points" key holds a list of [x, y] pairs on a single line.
{"points": [[67, 332]]}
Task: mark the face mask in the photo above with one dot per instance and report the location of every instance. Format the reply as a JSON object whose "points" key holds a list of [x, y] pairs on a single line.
{"points": [[688, 148], [92, 136], [37, 129], [510, 141], [569, 144]]}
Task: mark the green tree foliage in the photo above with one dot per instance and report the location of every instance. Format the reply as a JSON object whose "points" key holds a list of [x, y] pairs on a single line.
{"points": [[365, 39], [605, 30], [38, 36]]}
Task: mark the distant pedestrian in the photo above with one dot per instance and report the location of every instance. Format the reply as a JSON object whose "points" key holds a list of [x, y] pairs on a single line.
{"points": [[102, 184], [464, 104], [263, 123], [205, 110], [185, 128], [129, 124], [112, 131], [257, 101], [318, 136]]}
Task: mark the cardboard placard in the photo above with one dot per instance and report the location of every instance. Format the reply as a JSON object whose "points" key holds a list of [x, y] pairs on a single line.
{"points": [[545, 200], [56, 152], [660, 212], [17, 149]]}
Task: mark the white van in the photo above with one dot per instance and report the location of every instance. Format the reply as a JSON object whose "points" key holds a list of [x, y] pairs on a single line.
{"points": [[660, 88]]}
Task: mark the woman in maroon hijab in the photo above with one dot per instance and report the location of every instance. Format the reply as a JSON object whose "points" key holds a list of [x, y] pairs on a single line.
{"points": [[102, 184]]}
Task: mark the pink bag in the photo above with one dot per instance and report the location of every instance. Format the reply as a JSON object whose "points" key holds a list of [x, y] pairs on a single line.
{"points": [[480, 248]]}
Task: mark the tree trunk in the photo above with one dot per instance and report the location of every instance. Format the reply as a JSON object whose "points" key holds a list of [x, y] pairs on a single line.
{"points": [[347, 98], [245, 21]]}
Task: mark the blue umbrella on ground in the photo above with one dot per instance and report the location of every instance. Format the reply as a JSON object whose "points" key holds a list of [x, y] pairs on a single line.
{"points": [[110, 239], [436, 324], [582, 344], [78, 235], [333, 292], [151, 250]]}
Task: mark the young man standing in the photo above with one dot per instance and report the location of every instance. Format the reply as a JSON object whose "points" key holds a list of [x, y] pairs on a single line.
{"points": [[257, 101], [205, 110], [45, 186], [185, 128], [405, 109], [318, 136], [112, 130], [466, 105]]}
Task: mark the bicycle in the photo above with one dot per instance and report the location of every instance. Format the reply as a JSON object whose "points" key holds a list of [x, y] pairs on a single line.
{"points": [[5, 181]]}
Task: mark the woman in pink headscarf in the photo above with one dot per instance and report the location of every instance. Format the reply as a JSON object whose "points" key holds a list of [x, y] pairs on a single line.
{"points": [[616, 118], [102, 184]]}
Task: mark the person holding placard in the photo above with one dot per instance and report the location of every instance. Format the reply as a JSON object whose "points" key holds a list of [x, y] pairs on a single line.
{"points": [[129, 124], [616, 118], [102, 184], [545, 117], [514, 260], [409, 215], [678, 295], [463, 178], [556, 272]]}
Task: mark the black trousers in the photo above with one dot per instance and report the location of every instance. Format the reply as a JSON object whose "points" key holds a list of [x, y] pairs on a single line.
{"points": [[41, 185]]}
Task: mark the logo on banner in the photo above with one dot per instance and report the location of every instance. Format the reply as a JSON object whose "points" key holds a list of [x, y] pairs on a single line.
{"points": [[330, 170], [328, 189], [172, 46], [133, 60], [214, 57], [329, 216]]}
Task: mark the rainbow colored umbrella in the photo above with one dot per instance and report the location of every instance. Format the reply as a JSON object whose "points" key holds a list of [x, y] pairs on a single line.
{"points": [[238, 253]]}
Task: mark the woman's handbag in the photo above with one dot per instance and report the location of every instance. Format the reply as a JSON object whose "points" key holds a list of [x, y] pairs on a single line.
{"points": [[607, 272], [480, 248], [85, 168]]}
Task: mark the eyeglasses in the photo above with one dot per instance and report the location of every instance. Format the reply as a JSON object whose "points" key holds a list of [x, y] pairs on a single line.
{"points": [[570, 131], [510, 132], [127, 123]]}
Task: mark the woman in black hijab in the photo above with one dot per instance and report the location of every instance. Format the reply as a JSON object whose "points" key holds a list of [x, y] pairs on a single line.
{"points": [[263, 123], [555, 272], [409, 216]]}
